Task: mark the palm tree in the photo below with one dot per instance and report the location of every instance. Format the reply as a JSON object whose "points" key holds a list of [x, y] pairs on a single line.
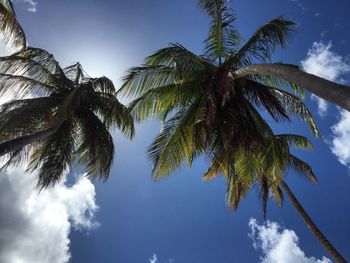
{"points": [[205, 110], [60, 116], [10, 27]]}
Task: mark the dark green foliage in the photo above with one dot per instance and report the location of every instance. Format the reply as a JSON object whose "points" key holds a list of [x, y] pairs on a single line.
{"points": [[75, 109]]}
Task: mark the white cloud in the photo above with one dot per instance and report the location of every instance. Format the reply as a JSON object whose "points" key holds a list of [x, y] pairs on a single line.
{"points": [[278, 245], [323, 62], [35, 227], [31, 5], [340, 144], [153, 259]]}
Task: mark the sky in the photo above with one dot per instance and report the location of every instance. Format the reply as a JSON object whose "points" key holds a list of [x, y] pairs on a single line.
{"points": [[130, 218]]}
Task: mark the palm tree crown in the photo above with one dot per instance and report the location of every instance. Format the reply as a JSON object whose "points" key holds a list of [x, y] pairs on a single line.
{"points": [[210, 112], [66, 117]]}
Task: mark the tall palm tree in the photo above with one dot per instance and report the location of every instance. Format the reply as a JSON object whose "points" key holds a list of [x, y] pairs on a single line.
{"points": [[59, 116], [205, 110], [10, 27]]}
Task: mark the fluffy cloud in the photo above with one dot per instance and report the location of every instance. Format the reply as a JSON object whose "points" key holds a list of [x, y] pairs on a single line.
{"points": [[340, 143], [35, 226], [278, 245], [323, 62], [153, 259], [31, 5]]}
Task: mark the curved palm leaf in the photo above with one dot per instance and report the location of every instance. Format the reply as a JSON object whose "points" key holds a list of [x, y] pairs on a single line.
{"points": [[10, 27], [263, 42]]}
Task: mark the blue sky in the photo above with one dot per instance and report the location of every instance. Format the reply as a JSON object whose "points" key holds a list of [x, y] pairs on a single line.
{"points": [[182, 219]]}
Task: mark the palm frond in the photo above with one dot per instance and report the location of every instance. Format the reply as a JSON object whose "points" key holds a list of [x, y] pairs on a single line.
{"points": [[23, 117], [263, 43], [223, 38], [297, 107], [263, 97], [237, 188], [178, 57], [95, 145], [163, 99], [176, 141], [10, 27], [141, 79], [53, 156], [295, 140], [302, 167], [112, 112], [104, 85], [41, 57]]}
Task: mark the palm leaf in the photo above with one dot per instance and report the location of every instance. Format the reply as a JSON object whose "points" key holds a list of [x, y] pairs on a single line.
{"points": [[10, 27], [263, 42]]}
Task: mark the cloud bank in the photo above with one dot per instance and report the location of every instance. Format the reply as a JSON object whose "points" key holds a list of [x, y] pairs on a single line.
{"points": [[35, 227], [278, 245]]}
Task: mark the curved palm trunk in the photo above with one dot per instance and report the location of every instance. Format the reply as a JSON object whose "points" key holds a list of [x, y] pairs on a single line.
{"points": [[325, 89], [18, 143], [311, 225]]}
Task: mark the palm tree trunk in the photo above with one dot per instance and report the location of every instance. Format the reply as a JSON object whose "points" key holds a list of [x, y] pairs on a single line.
{"points": [[18, 143], [311, 225], [325, 89]]}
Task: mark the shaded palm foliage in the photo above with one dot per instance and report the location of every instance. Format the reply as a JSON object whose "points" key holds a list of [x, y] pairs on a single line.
{"points": [[208, 109], [10, 27], [59, 116]]}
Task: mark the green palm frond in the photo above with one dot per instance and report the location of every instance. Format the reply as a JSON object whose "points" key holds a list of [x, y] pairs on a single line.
{"points": [[265, 98], [164, 99], [296, 107], [178, 141], [23, 86], [237, 188], [75, 73], [223, 38], [96, 148], [104, 85], [112, 112], [178, 57], [272, 81], [10, 27], [294, 140], [141, 79], [41, 57], [302, 167], [263, 42], [53, 156], [23, 117]]}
